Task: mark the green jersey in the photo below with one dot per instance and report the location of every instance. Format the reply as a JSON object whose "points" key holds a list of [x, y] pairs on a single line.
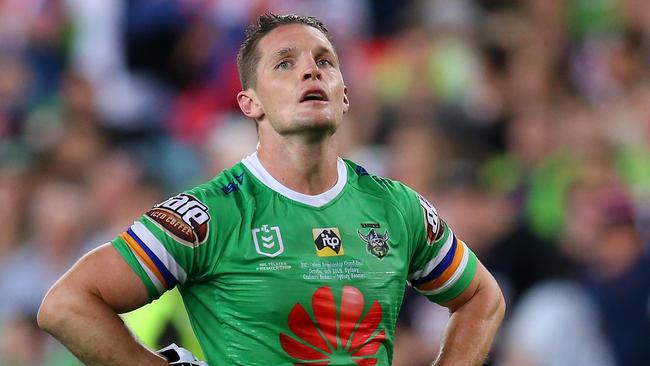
{"points": [[270, 276]]}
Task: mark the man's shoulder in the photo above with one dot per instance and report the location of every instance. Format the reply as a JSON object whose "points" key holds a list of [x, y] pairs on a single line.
{"points": [[377, 185], [226, 188], [231, 180]]}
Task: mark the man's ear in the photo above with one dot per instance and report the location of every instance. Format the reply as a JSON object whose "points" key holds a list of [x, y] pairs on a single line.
{"points": [[346, 101], [249, 104]]}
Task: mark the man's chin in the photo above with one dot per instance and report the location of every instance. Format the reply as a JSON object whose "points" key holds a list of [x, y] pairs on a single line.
{"points": [[314, 129]]}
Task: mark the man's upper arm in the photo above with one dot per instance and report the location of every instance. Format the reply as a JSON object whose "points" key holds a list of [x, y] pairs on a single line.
{"points": [[482, 281], [445, 269], [442, 267], [104, 273]]}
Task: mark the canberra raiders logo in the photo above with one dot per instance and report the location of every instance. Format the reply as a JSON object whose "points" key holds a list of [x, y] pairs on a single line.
{"points": [[376, 244]]}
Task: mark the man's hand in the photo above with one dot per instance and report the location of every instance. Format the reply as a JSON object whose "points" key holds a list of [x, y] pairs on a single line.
{"points": [[475, 317], [176, 355], [81, 309]]}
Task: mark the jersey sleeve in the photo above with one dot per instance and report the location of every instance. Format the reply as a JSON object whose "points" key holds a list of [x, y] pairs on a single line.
{"points": [[165, 245], [442, 265]]}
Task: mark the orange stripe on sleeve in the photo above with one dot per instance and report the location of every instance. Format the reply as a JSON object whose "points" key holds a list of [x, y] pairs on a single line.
{"points": [[458, 257], [144, 257]]}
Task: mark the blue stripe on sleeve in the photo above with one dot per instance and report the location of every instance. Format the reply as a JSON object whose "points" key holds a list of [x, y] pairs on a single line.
{"points": [[441, 267], [169, 277]]}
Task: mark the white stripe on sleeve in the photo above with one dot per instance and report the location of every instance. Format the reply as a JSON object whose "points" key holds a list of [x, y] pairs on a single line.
{"points": [[152, 276], [452, 280], [436, 260], [160, 251]]}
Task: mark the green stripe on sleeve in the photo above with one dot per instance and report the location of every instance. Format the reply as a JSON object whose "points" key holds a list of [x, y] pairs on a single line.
{"points": [[461, 283], [130, 258]]}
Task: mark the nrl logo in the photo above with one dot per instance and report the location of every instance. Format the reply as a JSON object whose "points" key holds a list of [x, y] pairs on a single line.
{"points": [[376, 244], [268, 240]]}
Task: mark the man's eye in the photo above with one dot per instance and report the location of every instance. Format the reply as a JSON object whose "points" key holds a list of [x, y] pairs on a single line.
{"points": [[284, 65], [325, 62]]}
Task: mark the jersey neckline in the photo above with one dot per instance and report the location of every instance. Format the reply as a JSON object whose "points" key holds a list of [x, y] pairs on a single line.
{"points": [[254, 165]]}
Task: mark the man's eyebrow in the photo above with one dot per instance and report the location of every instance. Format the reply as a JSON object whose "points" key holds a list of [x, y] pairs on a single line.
{"points": [[326, 50], [283, 52]]}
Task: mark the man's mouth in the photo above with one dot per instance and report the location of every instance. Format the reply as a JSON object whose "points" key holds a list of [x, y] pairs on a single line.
{"points": [[314, 95]]}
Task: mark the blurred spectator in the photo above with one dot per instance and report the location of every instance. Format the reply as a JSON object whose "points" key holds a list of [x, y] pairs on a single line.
{"points": [[22, 343], [121, 193], [124, 100], [416, 155], [13, 94], [618, 277], [13, 189], [228, 143], [604, 306], [555, 324], [56, 221]]}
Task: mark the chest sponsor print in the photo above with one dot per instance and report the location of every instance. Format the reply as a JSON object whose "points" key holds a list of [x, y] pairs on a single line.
{"points": [[328, 242], [339, 334]]}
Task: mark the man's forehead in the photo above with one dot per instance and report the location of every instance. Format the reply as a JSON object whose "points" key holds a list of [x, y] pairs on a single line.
{"points": [[288, 37]]}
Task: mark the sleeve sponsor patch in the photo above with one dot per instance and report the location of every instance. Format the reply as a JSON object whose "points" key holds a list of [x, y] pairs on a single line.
{"points": [[184, 217], [435, 227]]}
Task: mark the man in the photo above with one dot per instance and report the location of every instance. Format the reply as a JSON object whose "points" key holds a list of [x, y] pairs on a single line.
{"points": [[293, 256]]}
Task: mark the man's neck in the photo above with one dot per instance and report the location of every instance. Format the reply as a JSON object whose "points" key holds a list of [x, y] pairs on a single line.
{"points": [[308, 168]]}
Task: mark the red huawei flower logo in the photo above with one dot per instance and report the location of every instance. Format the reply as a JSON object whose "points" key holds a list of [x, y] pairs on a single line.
{"points": [[336, 336]]}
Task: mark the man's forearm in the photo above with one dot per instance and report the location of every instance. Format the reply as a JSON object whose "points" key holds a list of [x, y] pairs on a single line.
{"points": [[471, 329], [91, 330]]}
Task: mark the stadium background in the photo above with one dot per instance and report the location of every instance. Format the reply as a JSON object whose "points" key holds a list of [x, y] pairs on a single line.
{"points": [[527, 123]]}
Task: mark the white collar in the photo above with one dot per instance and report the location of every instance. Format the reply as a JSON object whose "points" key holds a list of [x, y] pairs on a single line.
{"points": [[253, 163]]}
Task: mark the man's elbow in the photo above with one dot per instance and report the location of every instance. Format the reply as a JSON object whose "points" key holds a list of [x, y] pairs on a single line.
{"points": [[498, 301], [501, 306], [48, 317], [54, 310], [490, 299]]}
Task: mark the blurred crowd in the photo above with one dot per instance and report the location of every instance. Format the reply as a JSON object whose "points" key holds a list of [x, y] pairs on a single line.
{"points": [[526, 123]]}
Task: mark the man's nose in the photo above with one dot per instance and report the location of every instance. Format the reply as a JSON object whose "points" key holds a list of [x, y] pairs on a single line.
{"points": [[311, 71]]}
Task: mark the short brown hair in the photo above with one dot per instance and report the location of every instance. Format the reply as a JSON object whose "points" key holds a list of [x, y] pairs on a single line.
{"points": [[248, 55]]}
